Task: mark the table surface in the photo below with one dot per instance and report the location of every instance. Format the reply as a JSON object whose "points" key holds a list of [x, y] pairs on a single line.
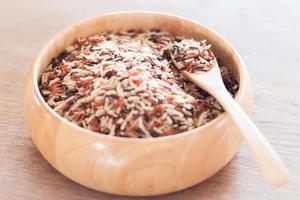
{"points": [[264, 32]]}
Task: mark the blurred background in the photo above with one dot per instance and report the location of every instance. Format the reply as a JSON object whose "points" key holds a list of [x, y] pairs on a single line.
{"points": [[265, 33]]}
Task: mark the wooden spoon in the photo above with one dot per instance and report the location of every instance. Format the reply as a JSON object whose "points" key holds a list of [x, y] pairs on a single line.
{"points": [[266, 158]]}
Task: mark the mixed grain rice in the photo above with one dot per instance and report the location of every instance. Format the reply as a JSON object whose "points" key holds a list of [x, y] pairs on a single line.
{"points": [[124, 84], [192, 56]]}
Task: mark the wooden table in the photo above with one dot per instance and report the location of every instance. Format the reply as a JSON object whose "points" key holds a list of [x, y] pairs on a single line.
{"points": [[265, 33]]}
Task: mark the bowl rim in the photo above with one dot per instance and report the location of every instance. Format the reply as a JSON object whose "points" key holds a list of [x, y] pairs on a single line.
{"points": [[241, 71]]}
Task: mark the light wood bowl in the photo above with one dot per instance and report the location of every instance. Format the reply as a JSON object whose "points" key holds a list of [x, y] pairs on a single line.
{"points": [[127, 166]]}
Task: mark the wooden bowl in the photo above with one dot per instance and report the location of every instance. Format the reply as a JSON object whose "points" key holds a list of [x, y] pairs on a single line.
{"points": [[128, 166]]}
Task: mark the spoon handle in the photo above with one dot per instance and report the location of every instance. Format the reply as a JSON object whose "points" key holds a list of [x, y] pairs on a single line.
{"points": [[267, 159]]}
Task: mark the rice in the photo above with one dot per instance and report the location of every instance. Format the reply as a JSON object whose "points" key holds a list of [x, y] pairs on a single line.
{"points": [[125, 84]]}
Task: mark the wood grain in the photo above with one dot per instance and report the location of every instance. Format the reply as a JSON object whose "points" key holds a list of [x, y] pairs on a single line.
{"points": [[266, 35]]}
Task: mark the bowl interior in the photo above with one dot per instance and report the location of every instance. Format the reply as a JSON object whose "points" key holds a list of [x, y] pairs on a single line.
{"points": [[139, 20]]}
